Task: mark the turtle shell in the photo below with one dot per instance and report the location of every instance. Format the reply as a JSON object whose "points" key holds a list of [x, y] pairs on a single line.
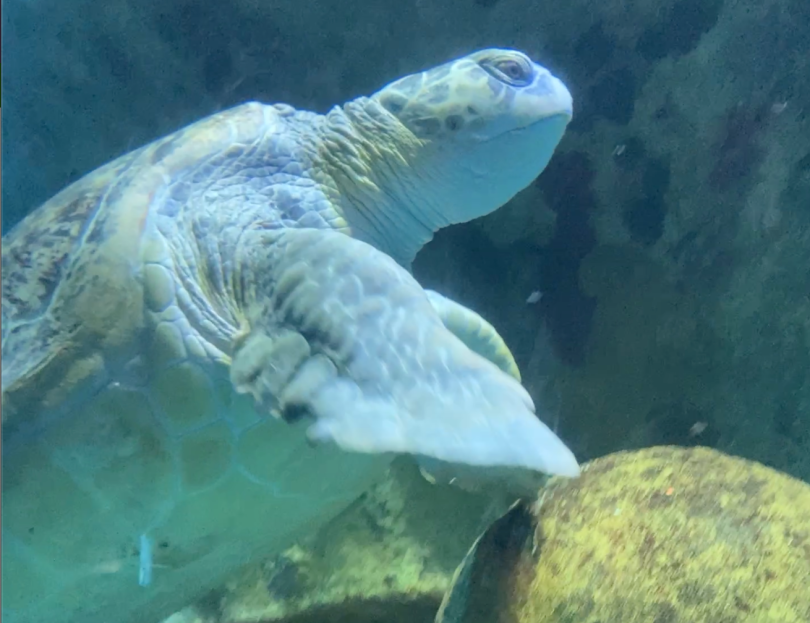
{"points": [[134, 477]]}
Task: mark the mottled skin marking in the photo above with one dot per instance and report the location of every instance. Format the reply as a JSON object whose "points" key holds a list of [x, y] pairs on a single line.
{"points": [[130, 301], [428, 99]]}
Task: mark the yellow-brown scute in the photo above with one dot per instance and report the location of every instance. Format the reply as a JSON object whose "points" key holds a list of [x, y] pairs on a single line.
{"points": [[37, 252], [70, 294]]}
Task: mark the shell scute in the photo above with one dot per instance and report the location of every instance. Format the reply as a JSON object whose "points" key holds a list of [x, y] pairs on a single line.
{"points": [[35, 257]]}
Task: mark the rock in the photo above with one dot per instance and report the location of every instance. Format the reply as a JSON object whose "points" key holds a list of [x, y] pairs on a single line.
{"points": [[667, 534]]}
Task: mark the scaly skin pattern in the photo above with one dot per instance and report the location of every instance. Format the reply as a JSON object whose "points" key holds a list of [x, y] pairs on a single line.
{"points": [[169, 318]]}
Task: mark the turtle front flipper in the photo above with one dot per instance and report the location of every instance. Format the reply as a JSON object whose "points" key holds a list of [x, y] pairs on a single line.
{"points": [[340, 331], [472, 329]]}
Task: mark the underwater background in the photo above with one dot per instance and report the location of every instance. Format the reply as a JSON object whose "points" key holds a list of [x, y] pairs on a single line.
{"points": [[653, 283]]}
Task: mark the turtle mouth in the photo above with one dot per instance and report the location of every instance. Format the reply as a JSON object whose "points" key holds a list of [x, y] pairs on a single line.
{"points": [[565, 115]]}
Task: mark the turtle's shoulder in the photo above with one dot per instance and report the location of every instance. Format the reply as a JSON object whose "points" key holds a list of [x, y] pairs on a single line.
{"points": [[72, 300], [106, 210]]}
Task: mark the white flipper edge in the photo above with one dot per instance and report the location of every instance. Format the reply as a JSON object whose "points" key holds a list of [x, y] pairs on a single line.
{"points": [[398, 380]]}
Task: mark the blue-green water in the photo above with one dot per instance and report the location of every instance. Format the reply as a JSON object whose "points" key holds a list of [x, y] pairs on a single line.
{"points": [[651, 283]]}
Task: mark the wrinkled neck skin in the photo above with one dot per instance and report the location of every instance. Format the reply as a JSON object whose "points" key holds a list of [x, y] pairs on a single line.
{"points": [[387, 193], [396, 190]]}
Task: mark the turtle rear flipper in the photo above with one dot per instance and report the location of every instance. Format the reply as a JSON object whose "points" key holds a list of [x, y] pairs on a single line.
{"points": [[380, 372], [478, 334]]}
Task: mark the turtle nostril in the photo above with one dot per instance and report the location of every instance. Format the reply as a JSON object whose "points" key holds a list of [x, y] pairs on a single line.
{"points": [[454, 122]]}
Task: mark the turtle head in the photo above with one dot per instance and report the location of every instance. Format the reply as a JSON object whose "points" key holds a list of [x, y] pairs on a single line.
{"points": [[487, 124], [443, 146]]}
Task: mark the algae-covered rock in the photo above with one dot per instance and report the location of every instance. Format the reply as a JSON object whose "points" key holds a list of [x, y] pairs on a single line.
{"points": [[664, 535]]}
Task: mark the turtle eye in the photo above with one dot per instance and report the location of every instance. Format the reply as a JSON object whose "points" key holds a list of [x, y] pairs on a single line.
{"points": [[511, 71]]}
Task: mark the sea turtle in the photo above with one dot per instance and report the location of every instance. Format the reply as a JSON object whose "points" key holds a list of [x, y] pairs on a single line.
{"points": [[213, 344]]}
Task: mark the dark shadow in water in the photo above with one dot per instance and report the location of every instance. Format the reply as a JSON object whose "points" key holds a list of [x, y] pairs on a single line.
{"points": [[420, 610]]}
